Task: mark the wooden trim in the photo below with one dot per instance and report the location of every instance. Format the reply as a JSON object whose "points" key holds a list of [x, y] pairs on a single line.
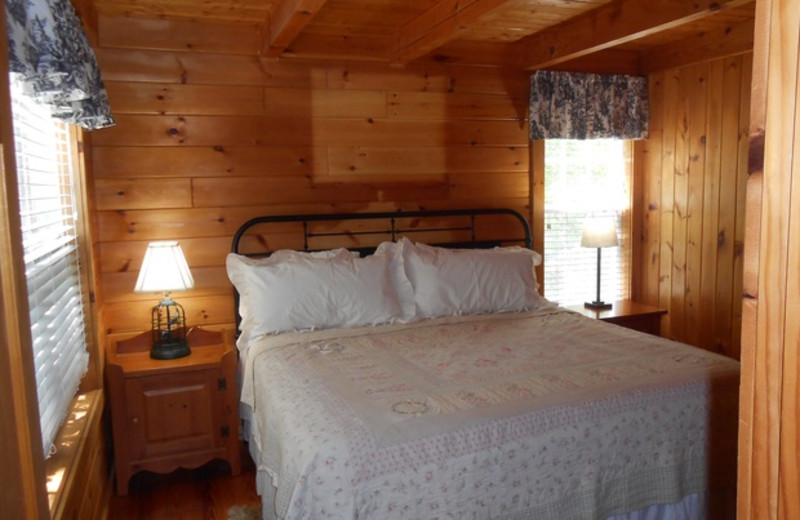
{"points": [[83, 202], [612, 24], [22, 489], [636, 183], [750, 492], [537, 205], [769, 415]]}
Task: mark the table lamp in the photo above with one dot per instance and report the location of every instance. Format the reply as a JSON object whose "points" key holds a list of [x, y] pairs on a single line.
{"points": [[599, 233], [164, 269]]}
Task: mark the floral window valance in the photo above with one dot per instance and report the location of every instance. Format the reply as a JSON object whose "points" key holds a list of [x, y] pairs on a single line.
{"points": [[50, 53], [570, 105]]}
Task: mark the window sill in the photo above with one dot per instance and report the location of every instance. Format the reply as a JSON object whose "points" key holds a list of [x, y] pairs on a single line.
{"points": [[63, 467]]}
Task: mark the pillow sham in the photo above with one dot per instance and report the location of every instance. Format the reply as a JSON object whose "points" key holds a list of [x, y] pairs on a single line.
{"points": [[450, 282], [312, 291]]}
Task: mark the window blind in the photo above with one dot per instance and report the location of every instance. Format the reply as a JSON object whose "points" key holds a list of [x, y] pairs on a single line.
{"points": [[49, 235], [584, 179]]}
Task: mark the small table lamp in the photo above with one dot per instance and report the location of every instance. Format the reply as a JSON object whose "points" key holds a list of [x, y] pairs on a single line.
{"points": [[164, 269], [598, 233]]}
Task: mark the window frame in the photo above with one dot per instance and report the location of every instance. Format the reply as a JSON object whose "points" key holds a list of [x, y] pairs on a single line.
{"points": [[22, 491], [23, 444], [63, 462]]}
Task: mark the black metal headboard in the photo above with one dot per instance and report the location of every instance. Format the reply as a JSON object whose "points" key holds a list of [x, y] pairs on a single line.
{"points": [[388, 226]]}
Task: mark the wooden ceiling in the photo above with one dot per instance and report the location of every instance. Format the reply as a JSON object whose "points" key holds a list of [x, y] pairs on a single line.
{"points": [[529, 34]]}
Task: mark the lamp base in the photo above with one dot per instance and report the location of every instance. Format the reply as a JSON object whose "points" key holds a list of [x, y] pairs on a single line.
{"points": [[597, 305], [171, 350]]}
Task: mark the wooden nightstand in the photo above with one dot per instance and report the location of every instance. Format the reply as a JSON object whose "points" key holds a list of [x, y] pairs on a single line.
{"points": [[167, 414], [627, 313]]}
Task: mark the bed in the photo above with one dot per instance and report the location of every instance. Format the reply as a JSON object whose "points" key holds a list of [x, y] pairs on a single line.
{"points": [[395, 379]]}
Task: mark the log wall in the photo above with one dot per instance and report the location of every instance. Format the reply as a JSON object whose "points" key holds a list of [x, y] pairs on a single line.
{"points": [[691, 201], [210, 134]]}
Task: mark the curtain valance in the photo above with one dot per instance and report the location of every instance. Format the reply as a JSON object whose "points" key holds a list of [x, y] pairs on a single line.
{"points": [[571, 105], [50, 53]]}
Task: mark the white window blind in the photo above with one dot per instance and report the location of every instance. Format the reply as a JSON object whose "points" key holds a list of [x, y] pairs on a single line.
{"points": [[584, 179], [49, 217]]}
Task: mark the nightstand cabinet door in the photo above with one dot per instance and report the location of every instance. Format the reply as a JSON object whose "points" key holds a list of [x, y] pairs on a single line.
{"points": [[173, 413]]}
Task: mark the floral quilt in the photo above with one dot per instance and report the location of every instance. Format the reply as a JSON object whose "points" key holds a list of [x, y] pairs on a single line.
{"points": [[546, 415]]}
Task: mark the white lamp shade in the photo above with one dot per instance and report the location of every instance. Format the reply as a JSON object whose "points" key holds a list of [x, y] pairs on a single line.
{"points": [[599, 232], [164, 269]]}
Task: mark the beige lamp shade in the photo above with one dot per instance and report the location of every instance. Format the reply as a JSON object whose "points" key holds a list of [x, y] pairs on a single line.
{"points": [[164, 269], [599, 232]]}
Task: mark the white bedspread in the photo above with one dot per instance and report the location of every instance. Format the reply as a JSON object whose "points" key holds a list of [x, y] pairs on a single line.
{"points": [[545, 415]]}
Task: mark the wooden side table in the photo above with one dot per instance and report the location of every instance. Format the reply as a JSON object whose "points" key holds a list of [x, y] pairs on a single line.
{"points": [[167, 414], [627, 313]]}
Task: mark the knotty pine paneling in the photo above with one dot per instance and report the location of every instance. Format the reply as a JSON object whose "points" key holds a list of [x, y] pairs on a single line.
{"points": [[188, 161], [196, 68], [192, 130], [132, 194], [165, 98], [693, 174], [348, 160], [182, 35], [210, 134]]}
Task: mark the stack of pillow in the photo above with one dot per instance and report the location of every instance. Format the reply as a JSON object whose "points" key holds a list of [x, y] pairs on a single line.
{"points": [[401, 282]]}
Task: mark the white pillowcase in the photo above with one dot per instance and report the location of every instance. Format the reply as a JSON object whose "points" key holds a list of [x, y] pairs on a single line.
{"points": [[449, 282], [393, 252], [302, 291]]}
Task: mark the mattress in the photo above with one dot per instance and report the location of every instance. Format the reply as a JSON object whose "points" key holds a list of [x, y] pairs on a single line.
{"points": [[543, 414]]}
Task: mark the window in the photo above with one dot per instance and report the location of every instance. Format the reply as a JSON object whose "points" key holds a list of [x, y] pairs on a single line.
{"points": [[585, 179], [50, 244]]}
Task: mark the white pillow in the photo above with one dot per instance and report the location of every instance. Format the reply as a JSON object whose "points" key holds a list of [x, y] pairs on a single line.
{"points": [[536, 258], [237, 269], [282, 255], [393, 252], [306, 292], [450, 282]]}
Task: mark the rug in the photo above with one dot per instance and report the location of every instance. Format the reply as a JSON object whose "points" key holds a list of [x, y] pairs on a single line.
{"points": [[244, 513]]}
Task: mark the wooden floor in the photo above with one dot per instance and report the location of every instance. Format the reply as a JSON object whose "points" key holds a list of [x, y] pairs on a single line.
{"points": [[204, 493]]}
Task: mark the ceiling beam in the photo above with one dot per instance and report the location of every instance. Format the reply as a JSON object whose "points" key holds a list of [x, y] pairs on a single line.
{"points": [[731, 40], [440, 24], [618, 22], [608, 61], [287, 21]]}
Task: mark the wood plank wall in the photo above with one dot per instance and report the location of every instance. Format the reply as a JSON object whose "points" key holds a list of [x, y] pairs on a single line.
{"points": [[692, 201], [210, 134]]}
